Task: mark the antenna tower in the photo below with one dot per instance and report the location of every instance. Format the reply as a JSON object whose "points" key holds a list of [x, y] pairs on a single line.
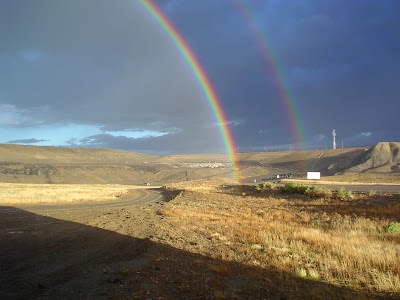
{"points": [[334, 138]]}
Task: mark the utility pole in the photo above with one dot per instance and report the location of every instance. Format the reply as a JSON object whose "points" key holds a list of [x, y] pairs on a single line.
{"points": [[334, 138]]}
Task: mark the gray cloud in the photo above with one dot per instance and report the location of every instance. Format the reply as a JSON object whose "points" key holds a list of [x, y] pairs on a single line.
{"points": [[175, 142], [27, 141]]}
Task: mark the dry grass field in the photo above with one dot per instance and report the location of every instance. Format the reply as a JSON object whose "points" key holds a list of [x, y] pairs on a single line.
{"points": [[343, 243], [15, 194]]}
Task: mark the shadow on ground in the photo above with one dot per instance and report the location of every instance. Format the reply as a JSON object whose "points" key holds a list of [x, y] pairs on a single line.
{"points": [[47, 258]]}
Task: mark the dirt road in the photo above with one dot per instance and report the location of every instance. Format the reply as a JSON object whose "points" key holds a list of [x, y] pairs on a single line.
{"points": [[74, 251], [139, 197]]}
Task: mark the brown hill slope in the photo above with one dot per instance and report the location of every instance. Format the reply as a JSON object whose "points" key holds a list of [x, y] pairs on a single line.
{"points": [[69, 156], [384, 157], [327, 161], [33, 164], [37, 164]]}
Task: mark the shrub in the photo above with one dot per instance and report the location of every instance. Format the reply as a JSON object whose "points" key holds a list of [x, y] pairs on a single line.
{"points": [[302, 189], [316, 191], [311, 190], [288, 187], [393, 227], [301, 272], [294, 188], [266, 186], [342, 194]]}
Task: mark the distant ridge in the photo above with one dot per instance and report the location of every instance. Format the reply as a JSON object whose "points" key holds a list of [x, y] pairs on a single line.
{"points": [[65, 165], [384, 157], [68, 165], [68, 155]]}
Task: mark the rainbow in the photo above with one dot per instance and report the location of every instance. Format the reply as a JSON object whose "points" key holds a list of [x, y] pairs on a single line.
{"points": [[202, 79], [291, 110]]}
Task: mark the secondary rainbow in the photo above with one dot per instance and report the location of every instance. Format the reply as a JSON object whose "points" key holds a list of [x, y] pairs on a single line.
{"points": [[291, 110], [202, 79]]}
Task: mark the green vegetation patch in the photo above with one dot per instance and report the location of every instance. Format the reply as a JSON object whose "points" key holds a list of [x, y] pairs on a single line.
{"points": [[266, 187], [342, 194], [318, 192], [393, 227], [294, 188], [310, 190]]}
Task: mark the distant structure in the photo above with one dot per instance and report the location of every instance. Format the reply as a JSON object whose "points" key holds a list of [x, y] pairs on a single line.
{"points": [[334, 138]]}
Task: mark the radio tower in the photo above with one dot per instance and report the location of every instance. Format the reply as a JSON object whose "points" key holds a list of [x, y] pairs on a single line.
{"points": [[334, 138]]}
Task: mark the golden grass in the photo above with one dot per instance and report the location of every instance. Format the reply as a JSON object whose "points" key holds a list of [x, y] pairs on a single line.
{"points": [[294, 236], [15, 193], [200, 184]]}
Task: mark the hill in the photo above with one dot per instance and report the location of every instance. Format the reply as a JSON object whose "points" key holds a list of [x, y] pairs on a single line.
{"points": [[59, 165], [384, 157], [69, 156], [34, 164]]}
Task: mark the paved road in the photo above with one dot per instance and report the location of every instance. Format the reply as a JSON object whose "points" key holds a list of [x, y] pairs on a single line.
{"points": [[144, 196]]}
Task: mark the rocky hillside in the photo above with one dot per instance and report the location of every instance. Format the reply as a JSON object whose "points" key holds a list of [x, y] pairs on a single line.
{"points": [[384, 157]]}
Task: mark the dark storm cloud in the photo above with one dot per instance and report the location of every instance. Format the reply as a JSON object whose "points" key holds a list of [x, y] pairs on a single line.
{"points": [[339, 60], [27, 141], [108, 64]]}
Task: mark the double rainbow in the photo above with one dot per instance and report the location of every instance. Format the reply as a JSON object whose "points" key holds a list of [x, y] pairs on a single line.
{"points": [[202, 79], [291, 110]]}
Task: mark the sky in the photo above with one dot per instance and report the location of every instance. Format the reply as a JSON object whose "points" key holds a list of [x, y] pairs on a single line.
{"points": [[104, 74]]}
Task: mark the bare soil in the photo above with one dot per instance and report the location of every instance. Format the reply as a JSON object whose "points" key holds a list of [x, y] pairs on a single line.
{"points": [[75, 254]]}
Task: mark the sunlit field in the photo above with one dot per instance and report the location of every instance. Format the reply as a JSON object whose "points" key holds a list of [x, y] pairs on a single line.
{"points": [[344, 243], [12, 193]]}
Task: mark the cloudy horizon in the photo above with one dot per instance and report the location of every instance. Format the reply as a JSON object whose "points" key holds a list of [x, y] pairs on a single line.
{"points": [[96, 73]]}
